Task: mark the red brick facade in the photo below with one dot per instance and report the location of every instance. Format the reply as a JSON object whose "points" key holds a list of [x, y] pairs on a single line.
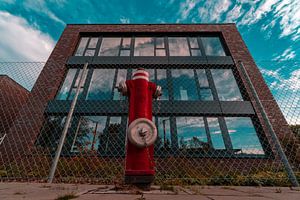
{"points": [[31, 116], [12, 97]]}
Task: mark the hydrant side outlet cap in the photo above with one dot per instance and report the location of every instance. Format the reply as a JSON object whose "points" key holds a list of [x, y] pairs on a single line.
{"points": [[142, 132]]}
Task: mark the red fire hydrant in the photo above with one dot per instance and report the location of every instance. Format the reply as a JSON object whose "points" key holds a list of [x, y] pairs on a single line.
{"points": [[142, 132]]}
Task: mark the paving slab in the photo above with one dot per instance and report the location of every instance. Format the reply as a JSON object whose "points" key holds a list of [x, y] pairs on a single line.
{"points": [[40, 191]]}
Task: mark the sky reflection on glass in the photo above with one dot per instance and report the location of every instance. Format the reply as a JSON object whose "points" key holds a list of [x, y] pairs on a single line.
{"points": [[110, 47], [212, 46], [144, 46], [191, 132], [226, 85], [215, 133], [243, 135], [184, 84], [101, 84], [178, 46]]}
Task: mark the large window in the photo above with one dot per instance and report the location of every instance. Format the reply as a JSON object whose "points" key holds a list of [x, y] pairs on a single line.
{"points": [[70, 85], [191, 133], [144, 46], [212, 46], [178, 46], [243, 135], [226, 85], [150, 46], [184, 84], [101, 84]]}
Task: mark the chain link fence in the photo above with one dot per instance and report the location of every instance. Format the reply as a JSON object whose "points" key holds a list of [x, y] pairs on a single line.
{"points": [[210, 128]]}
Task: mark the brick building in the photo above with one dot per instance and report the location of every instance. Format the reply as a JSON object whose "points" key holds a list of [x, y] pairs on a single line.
{"points": [[207, 110], [13, 97]]}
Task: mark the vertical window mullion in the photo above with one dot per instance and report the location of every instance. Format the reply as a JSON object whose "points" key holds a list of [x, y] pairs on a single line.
{"points": [[97, 49], [73, 83], [87, 46], [87, 83], [189, 45], [201, 47], [208, 133], [197, 84], [225, 134], [212, 84]]}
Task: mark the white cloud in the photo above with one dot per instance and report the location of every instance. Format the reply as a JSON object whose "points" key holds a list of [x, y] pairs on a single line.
{"points": [[212, 11], [124, 20], [234, 13], [288, 54], [40, 6], [20, 41], [186, 7], [288, 14]]}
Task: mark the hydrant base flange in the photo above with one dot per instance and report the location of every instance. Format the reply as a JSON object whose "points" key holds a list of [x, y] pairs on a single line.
{"points": [[139, 180]]}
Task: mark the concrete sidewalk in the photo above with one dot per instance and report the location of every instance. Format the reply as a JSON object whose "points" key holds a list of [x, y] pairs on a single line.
{"points": [[40, 191]]}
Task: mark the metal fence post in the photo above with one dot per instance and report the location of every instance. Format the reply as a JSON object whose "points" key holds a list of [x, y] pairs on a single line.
{"points": [[66, 126], [287, 166]]}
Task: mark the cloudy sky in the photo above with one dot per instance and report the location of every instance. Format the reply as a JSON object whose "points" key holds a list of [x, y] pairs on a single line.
{"points": [[29, 29]]}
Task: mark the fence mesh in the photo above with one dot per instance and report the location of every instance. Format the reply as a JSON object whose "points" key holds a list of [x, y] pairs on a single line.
{"points": [[210, 130]]}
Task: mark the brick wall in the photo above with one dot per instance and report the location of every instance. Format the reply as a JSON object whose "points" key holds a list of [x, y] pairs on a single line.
{"points": [[12, 97]]}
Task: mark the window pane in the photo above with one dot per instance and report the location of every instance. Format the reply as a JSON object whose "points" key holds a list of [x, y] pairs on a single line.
{"points": [[122, 73], [126, 43], [215, 133], [196, 52], [160, 52], [110, 47], [206, 94], [184, 84], [78, 79], [93, 43], [73, 92], [125, 53], [51, 132], [193, 43], [160, 43], [144, 47], [89, 53], [243, 135], [203, 82], [178, 46], [112, 142], [90, 128], [164, 133], [101, 84], [191, 132], [64, 91], [81, 46], [162, 81], [226, 85], [212, 46]]}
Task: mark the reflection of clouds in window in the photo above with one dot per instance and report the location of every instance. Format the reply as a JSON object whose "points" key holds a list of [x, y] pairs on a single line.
{"points": [[64, 91], [93, 43], [178, 46], [126, 43], [81, 46], [191, 132], [110, 47], [243, 135], [162, 81], [184, 84], [122, 73], [101, 84], [202, 78], [144, 46], [160, 43], [226, 85], [215, 133], [164, 132], [212, 46]]}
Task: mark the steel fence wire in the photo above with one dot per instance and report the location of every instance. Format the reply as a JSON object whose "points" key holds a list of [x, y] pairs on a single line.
{"points": [[210, 128]]}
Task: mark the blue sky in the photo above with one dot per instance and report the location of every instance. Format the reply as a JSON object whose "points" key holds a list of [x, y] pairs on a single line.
{"points": [[29, 29]]}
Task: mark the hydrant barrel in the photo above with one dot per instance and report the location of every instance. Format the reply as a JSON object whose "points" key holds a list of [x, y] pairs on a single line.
{"points": [[139, 167]]}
